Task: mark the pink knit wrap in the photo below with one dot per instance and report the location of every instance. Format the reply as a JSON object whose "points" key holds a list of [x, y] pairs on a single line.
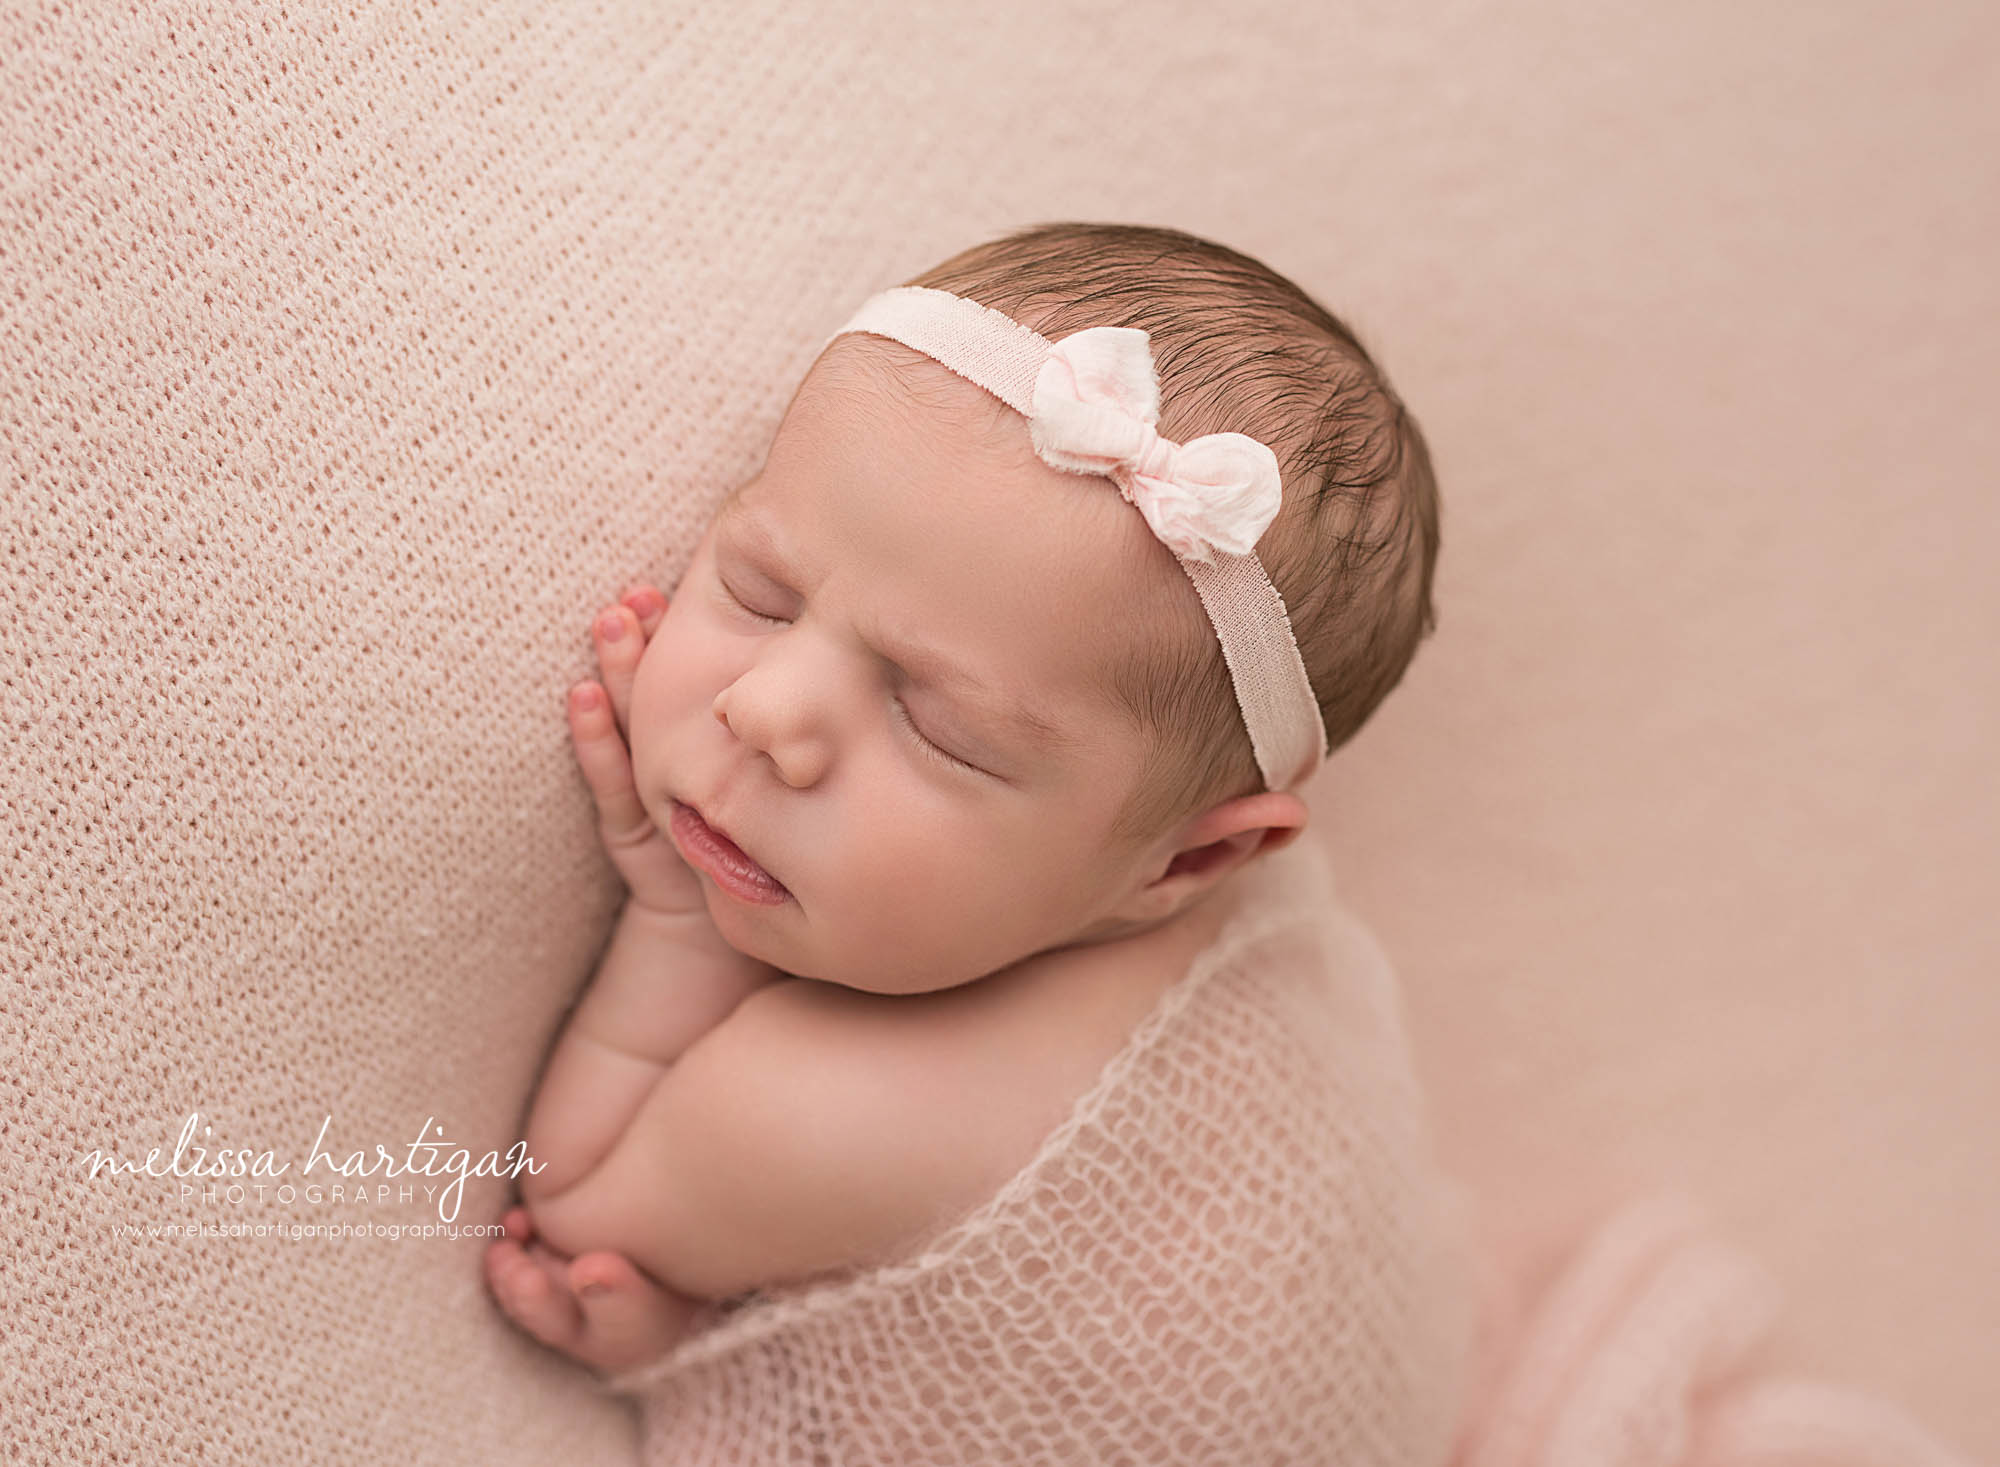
{"points": [[1235, 1250]]}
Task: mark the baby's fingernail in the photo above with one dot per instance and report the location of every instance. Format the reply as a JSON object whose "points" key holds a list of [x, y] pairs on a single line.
{"points": [[594, 1291], [584, 697], [611, 626], [645, 603]]}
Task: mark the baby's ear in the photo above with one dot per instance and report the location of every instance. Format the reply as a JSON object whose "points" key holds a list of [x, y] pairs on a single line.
{"points": [[1274, 816], [1277, 840], [1224, 838]]}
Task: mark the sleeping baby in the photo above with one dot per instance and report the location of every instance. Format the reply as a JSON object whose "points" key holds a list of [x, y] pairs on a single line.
{"points": [[981, 1070]]}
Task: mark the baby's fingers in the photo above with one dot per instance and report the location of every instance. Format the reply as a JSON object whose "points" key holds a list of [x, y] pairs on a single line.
{"points": [[648, 605], [621, 634], [653, 870], [607, 766], [619, 644]]}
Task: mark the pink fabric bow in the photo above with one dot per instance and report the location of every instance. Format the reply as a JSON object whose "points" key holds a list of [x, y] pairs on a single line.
{"points": [[1095, 404]]}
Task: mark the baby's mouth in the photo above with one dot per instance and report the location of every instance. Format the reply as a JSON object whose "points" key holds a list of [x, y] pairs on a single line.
{"points": [[719, 858]]}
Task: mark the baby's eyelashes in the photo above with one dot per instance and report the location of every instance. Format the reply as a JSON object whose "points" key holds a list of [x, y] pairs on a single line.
{"points": [[746, 608]]}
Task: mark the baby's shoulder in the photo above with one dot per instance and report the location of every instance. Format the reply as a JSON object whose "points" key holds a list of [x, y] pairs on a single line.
{"points": [[1028, 1040]]}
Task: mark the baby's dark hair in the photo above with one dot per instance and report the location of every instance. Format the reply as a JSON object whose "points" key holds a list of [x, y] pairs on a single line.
{"points": [[1239, 348]]}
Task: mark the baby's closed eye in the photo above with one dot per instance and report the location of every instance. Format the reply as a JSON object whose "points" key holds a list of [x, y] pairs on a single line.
{"points": [[737, 600], [940, 750], [931, 746]]}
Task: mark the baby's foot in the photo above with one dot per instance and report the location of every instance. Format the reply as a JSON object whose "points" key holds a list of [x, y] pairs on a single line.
{"points": [[597, 1308]]}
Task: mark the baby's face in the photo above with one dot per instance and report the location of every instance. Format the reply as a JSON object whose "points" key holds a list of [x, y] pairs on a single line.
{"points": [[885, 677]]}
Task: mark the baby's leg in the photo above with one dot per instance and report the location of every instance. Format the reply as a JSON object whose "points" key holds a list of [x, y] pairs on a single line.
{"points": [[597, 1307]]}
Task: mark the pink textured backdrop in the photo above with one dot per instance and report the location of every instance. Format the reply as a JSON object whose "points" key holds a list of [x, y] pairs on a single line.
{"points": [[350, 354], [1684, 828]]}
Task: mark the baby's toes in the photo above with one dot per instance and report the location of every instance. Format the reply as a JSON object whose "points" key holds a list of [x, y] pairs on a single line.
{"points": [[604, 1272], [627, 1318], [525, 1291], [500, 1256]]}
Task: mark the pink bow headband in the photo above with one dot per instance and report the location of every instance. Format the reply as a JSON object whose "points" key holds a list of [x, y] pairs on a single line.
{"points": [[1091, 401]]}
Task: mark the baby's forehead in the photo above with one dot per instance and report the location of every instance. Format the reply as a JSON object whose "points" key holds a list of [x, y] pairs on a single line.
{"points": [[900, 450], [860, 378]]}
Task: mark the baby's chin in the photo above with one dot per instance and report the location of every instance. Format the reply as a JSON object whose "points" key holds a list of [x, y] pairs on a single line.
{"points": [[753, 930], [870, 972], [784, 937], [796, 939]]}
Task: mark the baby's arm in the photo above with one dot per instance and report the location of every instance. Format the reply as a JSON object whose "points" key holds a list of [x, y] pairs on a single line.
{"points": [[666, 979]]}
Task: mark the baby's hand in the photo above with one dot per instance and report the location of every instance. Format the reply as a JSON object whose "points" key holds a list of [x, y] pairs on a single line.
{"points": [[599, 715]]}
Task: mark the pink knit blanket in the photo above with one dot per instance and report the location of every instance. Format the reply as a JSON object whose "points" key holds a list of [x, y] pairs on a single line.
{"points": [[1633, 1357]]}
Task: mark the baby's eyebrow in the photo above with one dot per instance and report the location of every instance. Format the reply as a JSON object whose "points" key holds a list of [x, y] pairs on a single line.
{"points": [[752, 533]]}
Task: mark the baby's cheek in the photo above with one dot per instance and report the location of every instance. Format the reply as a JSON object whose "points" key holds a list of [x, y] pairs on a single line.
{"points": [[673, 674], [666, 709], [646, 716]]}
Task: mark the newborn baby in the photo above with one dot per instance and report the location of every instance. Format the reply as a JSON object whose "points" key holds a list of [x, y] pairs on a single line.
{"points": [[966, 1079]]}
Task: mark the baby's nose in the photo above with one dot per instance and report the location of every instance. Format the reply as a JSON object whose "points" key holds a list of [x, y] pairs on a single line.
{"points": [[775, 728]]}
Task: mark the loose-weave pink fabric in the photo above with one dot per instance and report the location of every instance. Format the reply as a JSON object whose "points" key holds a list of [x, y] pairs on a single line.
{"points": [[1639, 1354], [1235, 1251], [1238, 1249]]}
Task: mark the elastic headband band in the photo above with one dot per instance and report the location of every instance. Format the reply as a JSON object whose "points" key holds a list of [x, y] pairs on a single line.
{"points": [[1091, 401]]}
